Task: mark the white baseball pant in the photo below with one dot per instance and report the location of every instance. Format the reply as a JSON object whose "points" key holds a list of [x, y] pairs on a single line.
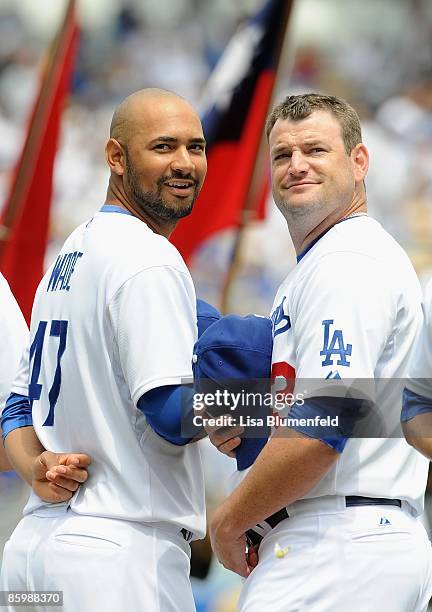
{"points": [[99, 564], [356, 559]]}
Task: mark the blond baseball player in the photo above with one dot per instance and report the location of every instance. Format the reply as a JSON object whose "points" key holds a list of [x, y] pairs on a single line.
{"points": [[335, 516]]}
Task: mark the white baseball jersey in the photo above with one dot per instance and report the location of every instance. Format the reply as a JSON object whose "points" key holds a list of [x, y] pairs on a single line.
{"points": [[114, 317], [13, 339], [420, 369], [351, 309]]}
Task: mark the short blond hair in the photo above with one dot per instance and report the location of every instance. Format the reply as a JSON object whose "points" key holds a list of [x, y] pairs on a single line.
{"points": [[299, 107]]}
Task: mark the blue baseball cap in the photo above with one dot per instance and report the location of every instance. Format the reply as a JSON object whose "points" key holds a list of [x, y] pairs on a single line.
{"points": [[206, 315], [234, 347]]}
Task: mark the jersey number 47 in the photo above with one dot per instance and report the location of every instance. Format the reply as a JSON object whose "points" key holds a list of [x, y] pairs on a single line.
{"points": [[58, 330]]}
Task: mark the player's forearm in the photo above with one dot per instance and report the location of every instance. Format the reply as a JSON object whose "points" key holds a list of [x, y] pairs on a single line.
{"points": [[422, 445], [286, 470], [22, 448], [5, 465], [418, 433]]}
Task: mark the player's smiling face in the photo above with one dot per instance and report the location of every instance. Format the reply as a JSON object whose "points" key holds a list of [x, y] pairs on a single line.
{"points": [[311, 169], [166, 161]]}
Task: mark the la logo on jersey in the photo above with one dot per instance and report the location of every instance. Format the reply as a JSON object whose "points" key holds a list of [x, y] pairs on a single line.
{"points": [[281, 321], [334, 346]]}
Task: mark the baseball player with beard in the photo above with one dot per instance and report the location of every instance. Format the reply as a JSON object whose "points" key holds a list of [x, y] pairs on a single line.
{"points": [[101, 379], [335, 517]]}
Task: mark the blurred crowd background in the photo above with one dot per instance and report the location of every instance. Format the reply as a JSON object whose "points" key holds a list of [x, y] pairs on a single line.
{"points": [[377, 54]]}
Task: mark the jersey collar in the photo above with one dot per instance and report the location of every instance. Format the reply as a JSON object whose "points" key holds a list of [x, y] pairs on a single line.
{"points": [[112, 208], [313, 243]]}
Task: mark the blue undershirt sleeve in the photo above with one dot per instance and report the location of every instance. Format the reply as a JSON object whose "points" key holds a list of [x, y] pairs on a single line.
{"points": [[169, 410], [248, 451], [414, 404], [329, 419], [16, 413]]}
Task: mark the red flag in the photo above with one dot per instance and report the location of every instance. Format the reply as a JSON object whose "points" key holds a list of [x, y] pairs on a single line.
{"points": [[25, 219], [262, 198], [239, 93]]}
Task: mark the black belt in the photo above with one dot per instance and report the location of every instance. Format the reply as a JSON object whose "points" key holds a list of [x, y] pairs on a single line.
{"points": [[356, 500], [187, 535], [254, 538]]}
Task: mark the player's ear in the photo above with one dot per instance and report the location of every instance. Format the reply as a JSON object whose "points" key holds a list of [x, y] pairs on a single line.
{"points": [[115, 156], [360, 160]]}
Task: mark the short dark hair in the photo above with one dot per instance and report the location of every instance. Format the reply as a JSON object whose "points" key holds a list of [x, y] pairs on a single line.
{"points": [[299, 107]]}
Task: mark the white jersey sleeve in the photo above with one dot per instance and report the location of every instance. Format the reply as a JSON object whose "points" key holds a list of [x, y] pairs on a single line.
{"points": [[21, 381], [420, 370], [157, 355], [13, 339], [341, 319]]}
